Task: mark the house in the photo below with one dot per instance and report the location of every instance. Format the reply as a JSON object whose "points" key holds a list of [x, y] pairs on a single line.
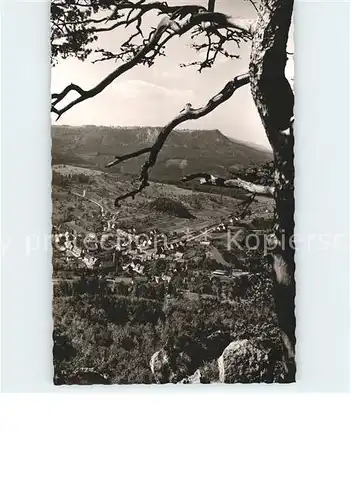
{"points": [[219, 273], [236, 273], [76, 251], [89, 261]]}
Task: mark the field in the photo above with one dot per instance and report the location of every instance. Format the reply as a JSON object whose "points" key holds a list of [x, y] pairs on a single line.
{"points": [[71, 210]]}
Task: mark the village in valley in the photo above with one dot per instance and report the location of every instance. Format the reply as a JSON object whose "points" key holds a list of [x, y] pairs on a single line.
{"points": [[178, 266], [121, 255]]}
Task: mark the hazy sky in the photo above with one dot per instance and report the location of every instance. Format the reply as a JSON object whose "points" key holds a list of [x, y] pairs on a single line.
{"points": [[153, 96]]}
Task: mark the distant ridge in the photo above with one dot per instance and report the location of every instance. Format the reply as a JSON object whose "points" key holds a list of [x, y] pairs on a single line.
{"points": [[259, 147], [185, 151]]}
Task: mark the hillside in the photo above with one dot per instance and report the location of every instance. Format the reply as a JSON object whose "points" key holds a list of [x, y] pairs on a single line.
{"points": [[70, 210], [111, 318], [117, 305], [186, 151]]}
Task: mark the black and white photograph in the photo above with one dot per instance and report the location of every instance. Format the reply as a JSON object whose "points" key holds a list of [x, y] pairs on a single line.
{"points": [[173, 253], [175, 249]]}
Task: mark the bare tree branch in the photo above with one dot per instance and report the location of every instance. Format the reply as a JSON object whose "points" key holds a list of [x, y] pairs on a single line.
{"points": [[253, 3], [167, 25], [218, 41], [128, 156], [242, 24], [164, 25], [248, 205], [187, 114], [212, 180]]}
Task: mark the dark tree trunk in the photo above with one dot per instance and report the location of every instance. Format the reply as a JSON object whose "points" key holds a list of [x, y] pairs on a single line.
{"points": [[275, 101]]}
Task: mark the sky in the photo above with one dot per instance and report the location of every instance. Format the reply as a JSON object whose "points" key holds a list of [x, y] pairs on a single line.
{"points": [[154, 96]]}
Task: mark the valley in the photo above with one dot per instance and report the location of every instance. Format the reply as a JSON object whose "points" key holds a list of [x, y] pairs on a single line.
{"points": [[155, 271]]}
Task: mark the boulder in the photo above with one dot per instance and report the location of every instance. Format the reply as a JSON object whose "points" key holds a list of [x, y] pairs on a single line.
{"points": [[244, 361], [195, 378], [159, 364]]}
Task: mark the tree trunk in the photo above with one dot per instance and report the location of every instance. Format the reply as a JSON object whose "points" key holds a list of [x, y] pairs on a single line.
{"points": [[275, 101]]}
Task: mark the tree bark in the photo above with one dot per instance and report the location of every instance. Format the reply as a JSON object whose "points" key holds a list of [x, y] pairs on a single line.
{"points": [[274, 100]]}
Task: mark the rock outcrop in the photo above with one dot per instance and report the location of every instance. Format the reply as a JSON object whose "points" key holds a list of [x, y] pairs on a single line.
{"points": [[159, 364], [195, 378], [244, 361]]}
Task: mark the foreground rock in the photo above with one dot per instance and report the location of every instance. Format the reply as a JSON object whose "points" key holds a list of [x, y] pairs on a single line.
{"points": [[161, 367], [244, 361], [159, 364], [241, 361], [195, 378], [176, 364]]}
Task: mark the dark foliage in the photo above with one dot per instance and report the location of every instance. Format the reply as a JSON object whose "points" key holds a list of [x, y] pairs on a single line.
{"points": [[105, 335], [172, 207], [64, 180]]}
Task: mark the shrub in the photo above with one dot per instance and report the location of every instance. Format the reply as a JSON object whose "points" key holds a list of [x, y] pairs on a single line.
{"points": [[172, 207]]}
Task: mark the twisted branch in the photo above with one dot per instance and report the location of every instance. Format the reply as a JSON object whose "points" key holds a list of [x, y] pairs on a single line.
{"points": [[167, 25], [128, 156], [212, 180], [87, 94], [187, 114]]}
